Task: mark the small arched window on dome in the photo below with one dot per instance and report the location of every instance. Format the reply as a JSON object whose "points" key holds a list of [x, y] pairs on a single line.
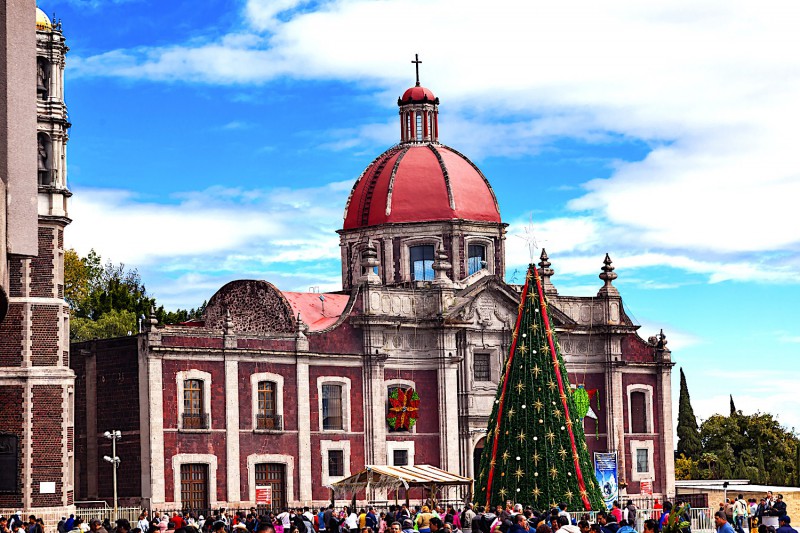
{"points": [[421, 262], [476, 258], [419, 126], [408, 126]]}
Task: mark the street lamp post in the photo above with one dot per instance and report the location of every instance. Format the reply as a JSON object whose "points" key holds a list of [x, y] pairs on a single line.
{"points": [[113, 435]]}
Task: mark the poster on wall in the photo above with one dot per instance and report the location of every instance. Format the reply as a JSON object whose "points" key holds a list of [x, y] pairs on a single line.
{"points": [[264, 495], [605, 470]]}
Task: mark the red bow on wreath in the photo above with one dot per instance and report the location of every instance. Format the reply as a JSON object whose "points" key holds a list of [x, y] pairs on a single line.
{"points": [[403, 409]]}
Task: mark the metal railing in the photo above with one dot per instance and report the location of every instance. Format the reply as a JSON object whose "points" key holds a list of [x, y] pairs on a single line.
{"points": [[195, 421], [269, 422]]}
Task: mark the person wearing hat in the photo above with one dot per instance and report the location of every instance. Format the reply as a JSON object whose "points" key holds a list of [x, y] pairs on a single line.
{"points": [[784, 521], [408, 526]]}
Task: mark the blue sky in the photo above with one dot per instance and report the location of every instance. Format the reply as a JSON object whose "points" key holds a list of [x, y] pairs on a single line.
{"points": [[218, 140]]}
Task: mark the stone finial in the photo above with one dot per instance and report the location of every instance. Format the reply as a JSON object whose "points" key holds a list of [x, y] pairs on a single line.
{"points": [[441, 265], [153, 321], [661, 341], [369, 263], [301, 341], [545, 272], [228, 324], [608, 275]]}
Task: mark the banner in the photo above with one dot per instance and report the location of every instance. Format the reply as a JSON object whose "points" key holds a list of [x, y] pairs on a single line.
{"points": [[605, 470], [264, 495], [646, 487]]}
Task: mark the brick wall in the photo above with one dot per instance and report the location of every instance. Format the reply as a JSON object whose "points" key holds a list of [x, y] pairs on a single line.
{"points": [[11, 337], [48, 435], [15, 277], [42, 283], [78, 365], [12, 421], [44, 347]]}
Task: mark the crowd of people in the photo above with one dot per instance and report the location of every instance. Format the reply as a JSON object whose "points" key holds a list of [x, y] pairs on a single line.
{"points": [[733, 516]]}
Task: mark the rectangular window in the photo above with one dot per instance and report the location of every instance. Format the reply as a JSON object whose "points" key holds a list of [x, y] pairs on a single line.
{"points": [[332, 407], [9, 463], [193, 415], [267, 416], [638, 407], [400, 457], [477, 258], [421, 262], [335, 463], [480, 368], [642, 460]]}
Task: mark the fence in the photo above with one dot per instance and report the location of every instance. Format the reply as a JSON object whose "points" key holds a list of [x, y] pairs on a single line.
{"points": [[51, 517]]}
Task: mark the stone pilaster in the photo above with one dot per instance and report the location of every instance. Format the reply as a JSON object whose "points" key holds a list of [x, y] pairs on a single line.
{"points": [[156, 408], [233, 466], [303, 430]]}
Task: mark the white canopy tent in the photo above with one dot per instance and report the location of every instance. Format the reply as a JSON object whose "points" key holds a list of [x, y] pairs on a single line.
{"points": [[394, 478]]}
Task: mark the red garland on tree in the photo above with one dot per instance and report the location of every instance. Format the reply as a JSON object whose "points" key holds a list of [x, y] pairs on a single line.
{"points": [[535, 447], [403, 409]]}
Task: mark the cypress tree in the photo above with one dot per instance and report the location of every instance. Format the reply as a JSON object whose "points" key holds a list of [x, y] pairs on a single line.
{"points": [[733, 407], [688, 435]]}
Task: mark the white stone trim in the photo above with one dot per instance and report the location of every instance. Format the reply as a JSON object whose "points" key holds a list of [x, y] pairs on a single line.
{"points": [[325, 446], [205, 377], [648, 393], [255, 379], [194, 458], [232, 465], [254, 459], [651, 469], [392, 445], [346, 408]]}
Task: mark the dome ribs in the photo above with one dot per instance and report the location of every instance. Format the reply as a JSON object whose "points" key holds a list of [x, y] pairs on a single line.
{"points": [[369, 190], [391, 181], [446, 176], [486, 181]]}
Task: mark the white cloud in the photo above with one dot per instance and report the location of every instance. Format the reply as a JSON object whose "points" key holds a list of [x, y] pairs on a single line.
{"points": [[712, 85], [220, 228]]}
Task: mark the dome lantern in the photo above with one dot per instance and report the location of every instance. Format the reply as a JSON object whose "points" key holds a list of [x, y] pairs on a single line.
{"points": [[419, 113]]}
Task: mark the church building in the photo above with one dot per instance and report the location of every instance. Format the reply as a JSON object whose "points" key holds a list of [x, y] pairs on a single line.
{"points": [[296, 390]]}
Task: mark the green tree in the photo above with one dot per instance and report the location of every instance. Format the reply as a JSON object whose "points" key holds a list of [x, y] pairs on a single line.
{"points": [[688, 433], [535, 447], [107, 300]]}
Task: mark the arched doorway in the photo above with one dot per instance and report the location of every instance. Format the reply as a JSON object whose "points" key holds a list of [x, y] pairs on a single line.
{"points": [[476, 457]]}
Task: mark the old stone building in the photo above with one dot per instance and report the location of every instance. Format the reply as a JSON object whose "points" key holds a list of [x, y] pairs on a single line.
{"points": [[291, 390], [36, 428]]}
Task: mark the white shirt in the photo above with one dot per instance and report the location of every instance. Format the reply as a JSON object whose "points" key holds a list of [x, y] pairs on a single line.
{"points": [[351, 521], [285, 519]]}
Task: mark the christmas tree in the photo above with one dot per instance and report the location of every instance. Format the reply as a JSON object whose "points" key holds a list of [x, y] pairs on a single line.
{"points": [[535, 450]]}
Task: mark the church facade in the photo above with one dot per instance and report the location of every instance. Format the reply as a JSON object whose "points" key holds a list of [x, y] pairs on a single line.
{"points": [[294, 390]]}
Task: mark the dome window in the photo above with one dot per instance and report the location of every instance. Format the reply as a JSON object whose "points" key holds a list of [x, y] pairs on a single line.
{"points": [[421, 262], [477, 258]]}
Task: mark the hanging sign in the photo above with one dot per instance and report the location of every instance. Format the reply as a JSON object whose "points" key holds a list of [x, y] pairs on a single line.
{"points": [[646, 487], [605, 469], [264, 495]]}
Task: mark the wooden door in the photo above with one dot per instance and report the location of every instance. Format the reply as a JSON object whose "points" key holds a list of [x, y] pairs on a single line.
{"points": [[194, 487]]}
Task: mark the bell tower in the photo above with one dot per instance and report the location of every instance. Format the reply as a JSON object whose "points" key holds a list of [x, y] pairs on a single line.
{"points": [[36, 416]]}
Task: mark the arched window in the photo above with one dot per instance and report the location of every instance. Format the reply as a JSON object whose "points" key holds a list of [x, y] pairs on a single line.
{"points": [[408, 126], [42, 78], [421, 262], [45, 156], [477, 258], [193, 415], [419, 126]]}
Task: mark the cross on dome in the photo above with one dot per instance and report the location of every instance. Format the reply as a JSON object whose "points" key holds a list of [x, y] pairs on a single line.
{"points": [[417, 62]]}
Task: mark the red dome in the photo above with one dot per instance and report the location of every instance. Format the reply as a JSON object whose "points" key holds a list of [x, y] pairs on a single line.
{"points": [[417, 94], [418, 183]]}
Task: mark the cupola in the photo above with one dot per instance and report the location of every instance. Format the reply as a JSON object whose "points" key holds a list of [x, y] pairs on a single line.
{"points": [[419, 113]]}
